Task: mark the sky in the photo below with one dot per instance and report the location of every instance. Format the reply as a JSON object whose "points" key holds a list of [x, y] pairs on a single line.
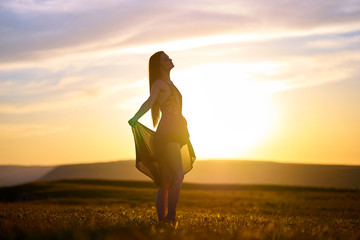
{"points": [[271, 81]]}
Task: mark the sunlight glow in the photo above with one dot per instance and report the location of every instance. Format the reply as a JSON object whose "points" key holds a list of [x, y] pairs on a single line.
{"points": [[228, 111]]}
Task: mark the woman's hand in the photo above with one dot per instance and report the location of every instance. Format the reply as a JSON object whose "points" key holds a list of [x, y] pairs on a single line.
{"points": [[132, 121]]}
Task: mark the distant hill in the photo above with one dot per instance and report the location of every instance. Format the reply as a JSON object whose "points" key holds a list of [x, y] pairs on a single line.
{"points": [[273, 173], [12, 175], [119, 170], [224, 172]]}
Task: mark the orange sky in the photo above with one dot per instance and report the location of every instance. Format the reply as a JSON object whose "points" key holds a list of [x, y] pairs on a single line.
{"points": [[259, 81]]}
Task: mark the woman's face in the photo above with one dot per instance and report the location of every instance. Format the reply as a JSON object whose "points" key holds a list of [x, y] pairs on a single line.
{"points": [[165, 62]]}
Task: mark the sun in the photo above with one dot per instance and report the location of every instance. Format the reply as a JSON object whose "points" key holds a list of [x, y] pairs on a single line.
{"points": [[227, 110]]}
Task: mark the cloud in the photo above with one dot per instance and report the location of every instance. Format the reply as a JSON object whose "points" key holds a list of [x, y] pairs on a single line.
{"points": [[42, 34], [53, 6], [275, 74], [310, 71], [340, 42], [58, 55], [82, 27], [64, 95]]}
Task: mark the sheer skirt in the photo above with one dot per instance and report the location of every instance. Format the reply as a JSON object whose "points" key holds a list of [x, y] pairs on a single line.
{"points": [[151, 146]]}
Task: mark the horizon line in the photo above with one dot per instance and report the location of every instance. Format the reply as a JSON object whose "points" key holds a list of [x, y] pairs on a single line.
{"points": [[201, 159]]}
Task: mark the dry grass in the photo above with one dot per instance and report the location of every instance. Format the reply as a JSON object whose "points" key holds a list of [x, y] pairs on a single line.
{"points": [[125, 210]]}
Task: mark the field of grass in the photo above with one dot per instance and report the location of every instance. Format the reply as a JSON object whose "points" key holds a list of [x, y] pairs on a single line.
{"points": [[97, 209]]}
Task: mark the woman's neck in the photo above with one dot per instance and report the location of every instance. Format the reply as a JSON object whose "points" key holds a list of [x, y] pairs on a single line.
{"points": [[166, 77]]}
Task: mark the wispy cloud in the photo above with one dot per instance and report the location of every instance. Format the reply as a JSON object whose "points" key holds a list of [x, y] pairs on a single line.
{"points": [[39, 97], [130, 24], [78, 53], [309, 71], [54, 6], [338, 43]]}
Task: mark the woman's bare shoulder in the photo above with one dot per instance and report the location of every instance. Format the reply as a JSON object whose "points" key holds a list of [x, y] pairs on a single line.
{"points": [[160, 84]]}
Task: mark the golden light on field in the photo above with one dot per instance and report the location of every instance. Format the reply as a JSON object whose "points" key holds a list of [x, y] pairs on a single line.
{"points": [[228, 111]]}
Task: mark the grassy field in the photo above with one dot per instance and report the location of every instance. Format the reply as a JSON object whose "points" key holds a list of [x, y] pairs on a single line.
{"points": [[96, 209]]}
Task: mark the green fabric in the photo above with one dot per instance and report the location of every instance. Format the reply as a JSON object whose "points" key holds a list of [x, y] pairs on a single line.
{"points": [[146, 159]]}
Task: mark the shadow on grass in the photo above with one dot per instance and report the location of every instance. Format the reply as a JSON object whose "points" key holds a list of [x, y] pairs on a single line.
{"points": [[79, 189], [130, 191]]}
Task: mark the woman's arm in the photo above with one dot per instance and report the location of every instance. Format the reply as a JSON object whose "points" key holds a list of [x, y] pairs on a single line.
{"points": [[155, 90]]}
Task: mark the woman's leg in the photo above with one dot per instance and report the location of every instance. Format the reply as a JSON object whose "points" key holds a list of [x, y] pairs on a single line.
{"points": [[161, 197], [177, 176], [162, 193]]}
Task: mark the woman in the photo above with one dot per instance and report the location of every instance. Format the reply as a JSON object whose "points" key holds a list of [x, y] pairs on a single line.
{"points": [[167, 154]]}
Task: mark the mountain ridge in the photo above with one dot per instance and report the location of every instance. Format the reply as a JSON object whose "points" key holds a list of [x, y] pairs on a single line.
{"points": [[208, 172], [13, 174]]}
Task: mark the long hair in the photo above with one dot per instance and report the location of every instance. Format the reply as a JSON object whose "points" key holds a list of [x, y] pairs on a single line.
{"points": [[154, 74]]}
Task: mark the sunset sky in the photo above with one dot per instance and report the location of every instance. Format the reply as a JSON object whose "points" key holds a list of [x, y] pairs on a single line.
{"points": [[262, 80]]}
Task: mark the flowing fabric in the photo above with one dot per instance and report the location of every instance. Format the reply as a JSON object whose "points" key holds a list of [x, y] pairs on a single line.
{"points": [[146, 157], [151, 146]]}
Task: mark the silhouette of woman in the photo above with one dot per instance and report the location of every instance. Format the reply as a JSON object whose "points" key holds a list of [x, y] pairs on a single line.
{"points": [[167, 154]]}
